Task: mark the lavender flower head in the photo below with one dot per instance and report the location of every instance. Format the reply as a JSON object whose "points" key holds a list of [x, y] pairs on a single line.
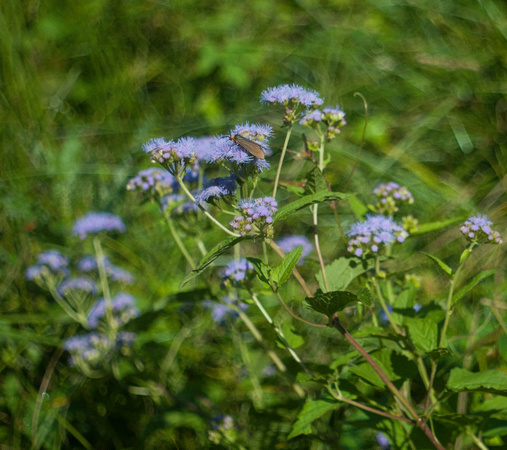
{"points": [[92, 349], [95, 222], [391, 196], [202, 146], [171, 155], [289, 243], [256, 132], [332, 118], [237, 273], [478, 229], [122, 306], [218, 188], [257, 216], [83, 285], [374, 234], [153, 181], [220, 312], [291, 97], [286, 94], [89, 264], [49, 260], [178, 204]]}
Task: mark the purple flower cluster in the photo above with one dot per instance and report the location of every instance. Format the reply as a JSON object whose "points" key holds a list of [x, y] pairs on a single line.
{"points": [[374, 234], [332, 118], [172, 155], [257, 216], [291, 97], [81, 285], [49, 260], [89, 264], [391, 196], [178, 204], [93, 348], [122, 307], [224, 150], [153, 181], [289, 243], [237, 272], [220, 312], [218, 188], [478, 229], [291, 94], [95, 222]]}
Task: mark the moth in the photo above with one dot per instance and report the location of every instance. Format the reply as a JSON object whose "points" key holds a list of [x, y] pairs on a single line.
{"points": [[252, 147]]}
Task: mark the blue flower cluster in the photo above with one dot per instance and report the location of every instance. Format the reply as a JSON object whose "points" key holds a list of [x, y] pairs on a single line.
{"points": [[391, 196], [92, 349], [289, 243], [332, 118], [257, 216], [82, 285], [172, 155], [478, 229], [218, 188], [48, 262], [291, 97], [237, 273], [122, 307], [153, 181], [374, 234], [220, 312], [89, 264], [95, 222]]}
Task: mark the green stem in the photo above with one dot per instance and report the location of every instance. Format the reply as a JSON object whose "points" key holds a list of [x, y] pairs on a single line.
{"points": [[293, 314], [206, 213], [178, 240], [282, 156], [418, 421]]}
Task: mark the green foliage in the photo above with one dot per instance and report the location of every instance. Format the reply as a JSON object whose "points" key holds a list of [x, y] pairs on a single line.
{"points": [[85, 84]]}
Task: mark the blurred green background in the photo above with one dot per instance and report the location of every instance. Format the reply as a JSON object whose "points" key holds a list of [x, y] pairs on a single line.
{"points": [[85, 84]]}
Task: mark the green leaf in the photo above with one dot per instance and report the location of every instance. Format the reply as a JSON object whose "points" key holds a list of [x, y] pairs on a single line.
{"points": [[358, 207], [476, 280], [307, 200], [365, 296], [311, 411], [284, 270], [423, 333], [331, 302], [316, 182], [293, 338], [440, 264], [342, 271], [493, 381], [439, 353], [211, 256], [262, 270], [434, 226]]}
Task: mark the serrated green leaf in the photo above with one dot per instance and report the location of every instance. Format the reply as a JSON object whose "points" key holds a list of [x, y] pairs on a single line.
{"points": [[448, 271], [365, 297], [476, 280], [461, 380], [211, 256], [261, 269], [342, 271], [284, 270], [316, 182], [331, 302], [311, 411], [307, 200], [439, 353], [423, 333]]}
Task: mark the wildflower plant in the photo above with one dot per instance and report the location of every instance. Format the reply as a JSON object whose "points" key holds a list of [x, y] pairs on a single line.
{"points": [[401, 375]]}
